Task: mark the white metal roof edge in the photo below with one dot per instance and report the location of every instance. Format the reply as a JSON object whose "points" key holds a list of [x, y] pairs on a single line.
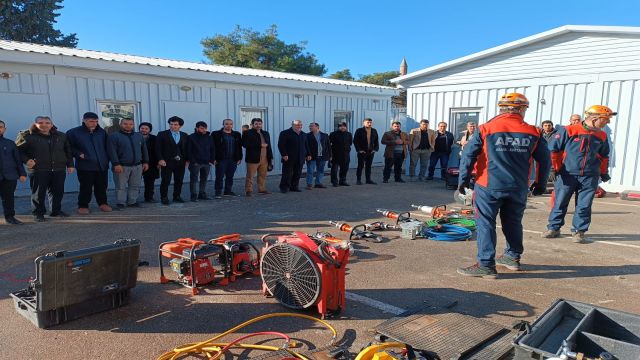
{"points": [[177, 64], [519, 43]]}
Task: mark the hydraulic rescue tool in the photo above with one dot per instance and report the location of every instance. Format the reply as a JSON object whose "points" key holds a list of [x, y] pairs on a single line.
{"points": [[380, 225], [359, 232], [198, 263], [440, 211], [301, 271], [397, 216]]}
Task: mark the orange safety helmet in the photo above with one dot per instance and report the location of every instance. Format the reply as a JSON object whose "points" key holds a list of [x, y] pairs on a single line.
{"points": [[600, 111], [513, 100]]}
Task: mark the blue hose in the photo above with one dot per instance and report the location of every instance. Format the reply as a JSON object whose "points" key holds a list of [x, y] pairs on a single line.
{"points": [[446, 232]]}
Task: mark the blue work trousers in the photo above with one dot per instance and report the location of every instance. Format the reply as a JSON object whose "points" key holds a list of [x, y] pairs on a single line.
{"points": [[317, 167], [584, 187], [511, 206]]}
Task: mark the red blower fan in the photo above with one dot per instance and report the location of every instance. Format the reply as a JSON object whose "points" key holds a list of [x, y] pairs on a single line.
{"points": [[302, 271]]}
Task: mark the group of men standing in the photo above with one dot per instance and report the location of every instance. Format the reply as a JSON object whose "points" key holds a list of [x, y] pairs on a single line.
{"points": [[317, 149]]}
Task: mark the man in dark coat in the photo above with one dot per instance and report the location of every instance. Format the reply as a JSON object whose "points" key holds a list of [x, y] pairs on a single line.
{"points": [[294, 151], [320, 153], [171, 151], [149, 177], [258, 155], [47, 154], [341, 141], [365, 141], [11, 170], [201, 156], [228, 145], [89, 147]]}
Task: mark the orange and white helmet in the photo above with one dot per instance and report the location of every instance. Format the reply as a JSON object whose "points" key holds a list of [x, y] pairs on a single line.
{"points": [[600, 111], [513, 100]]}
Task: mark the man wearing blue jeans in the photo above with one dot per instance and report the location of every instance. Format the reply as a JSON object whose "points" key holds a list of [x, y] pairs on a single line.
{"points": [[228, 154], [442, 151], [320, 152], [501, 153]]}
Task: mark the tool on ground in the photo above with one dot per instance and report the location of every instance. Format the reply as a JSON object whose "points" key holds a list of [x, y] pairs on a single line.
{"points": [[381, 226], [359, 232], [301, 271], [198, 263], [440, 211], [213, 349], [410, 228], [397, 216]]}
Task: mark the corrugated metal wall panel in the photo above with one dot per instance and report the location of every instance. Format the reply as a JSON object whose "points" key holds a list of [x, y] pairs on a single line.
{"points": [[565, 55]]}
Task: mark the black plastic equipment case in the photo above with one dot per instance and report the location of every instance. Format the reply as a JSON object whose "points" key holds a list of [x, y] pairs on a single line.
{"points": [[571, 326], [74, 284]]}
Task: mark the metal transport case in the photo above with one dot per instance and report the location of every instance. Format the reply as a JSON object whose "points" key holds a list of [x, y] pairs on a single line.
{"points": [[74, 284], [588, 331]]}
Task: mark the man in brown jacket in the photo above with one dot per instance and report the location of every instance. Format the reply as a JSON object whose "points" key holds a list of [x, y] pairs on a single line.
{"points": [[395, 152], [422, 140]]}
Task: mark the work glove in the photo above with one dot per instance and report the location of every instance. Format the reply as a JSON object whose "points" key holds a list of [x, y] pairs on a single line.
{"points": [[552, 175], [538, 189], [605, 177], [462, 188]]}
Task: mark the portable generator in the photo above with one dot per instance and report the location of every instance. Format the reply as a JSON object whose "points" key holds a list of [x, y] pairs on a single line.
{"points": [[301, 271], [198, 263]]}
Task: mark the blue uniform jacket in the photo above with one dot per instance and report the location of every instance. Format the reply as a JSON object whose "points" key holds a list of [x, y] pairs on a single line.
{"points": [[501, 154]]}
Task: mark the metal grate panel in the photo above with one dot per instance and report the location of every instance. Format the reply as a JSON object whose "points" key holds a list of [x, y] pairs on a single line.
{"points": [[449, 335]]}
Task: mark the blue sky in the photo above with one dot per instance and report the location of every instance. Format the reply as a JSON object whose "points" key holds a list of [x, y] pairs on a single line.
{"points": [[364, 36]]}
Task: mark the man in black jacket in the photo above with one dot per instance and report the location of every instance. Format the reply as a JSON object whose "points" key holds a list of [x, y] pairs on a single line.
{"points": [[89, 147], [442, 151], [320, 153], [258, 155], [201, 155], [366, 143], [11, 170], [294, 150], [228, 145], [149, 177], [171, 151], [341, 141], [47, 154]]}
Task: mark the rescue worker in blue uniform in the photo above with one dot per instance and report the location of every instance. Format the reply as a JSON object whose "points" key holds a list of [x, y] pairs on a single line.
{"points": [[501, 153], [580, 158]]}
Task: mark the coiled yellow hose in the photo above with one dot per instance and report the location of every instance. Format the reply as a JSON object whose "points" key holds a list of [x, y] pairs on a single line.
{"points": [[211, 349]]}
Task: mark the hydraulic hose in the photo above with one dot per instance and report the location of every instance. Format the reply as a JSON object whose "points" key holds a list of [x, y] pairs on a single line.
{"points": [[446, 232], [210, 346], [459, 221]]}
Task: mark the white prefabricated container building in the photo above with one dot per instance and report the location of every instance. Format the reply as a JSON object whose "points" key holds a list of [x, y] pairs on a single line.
{"points": [[64, 83], [561, 71]]}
